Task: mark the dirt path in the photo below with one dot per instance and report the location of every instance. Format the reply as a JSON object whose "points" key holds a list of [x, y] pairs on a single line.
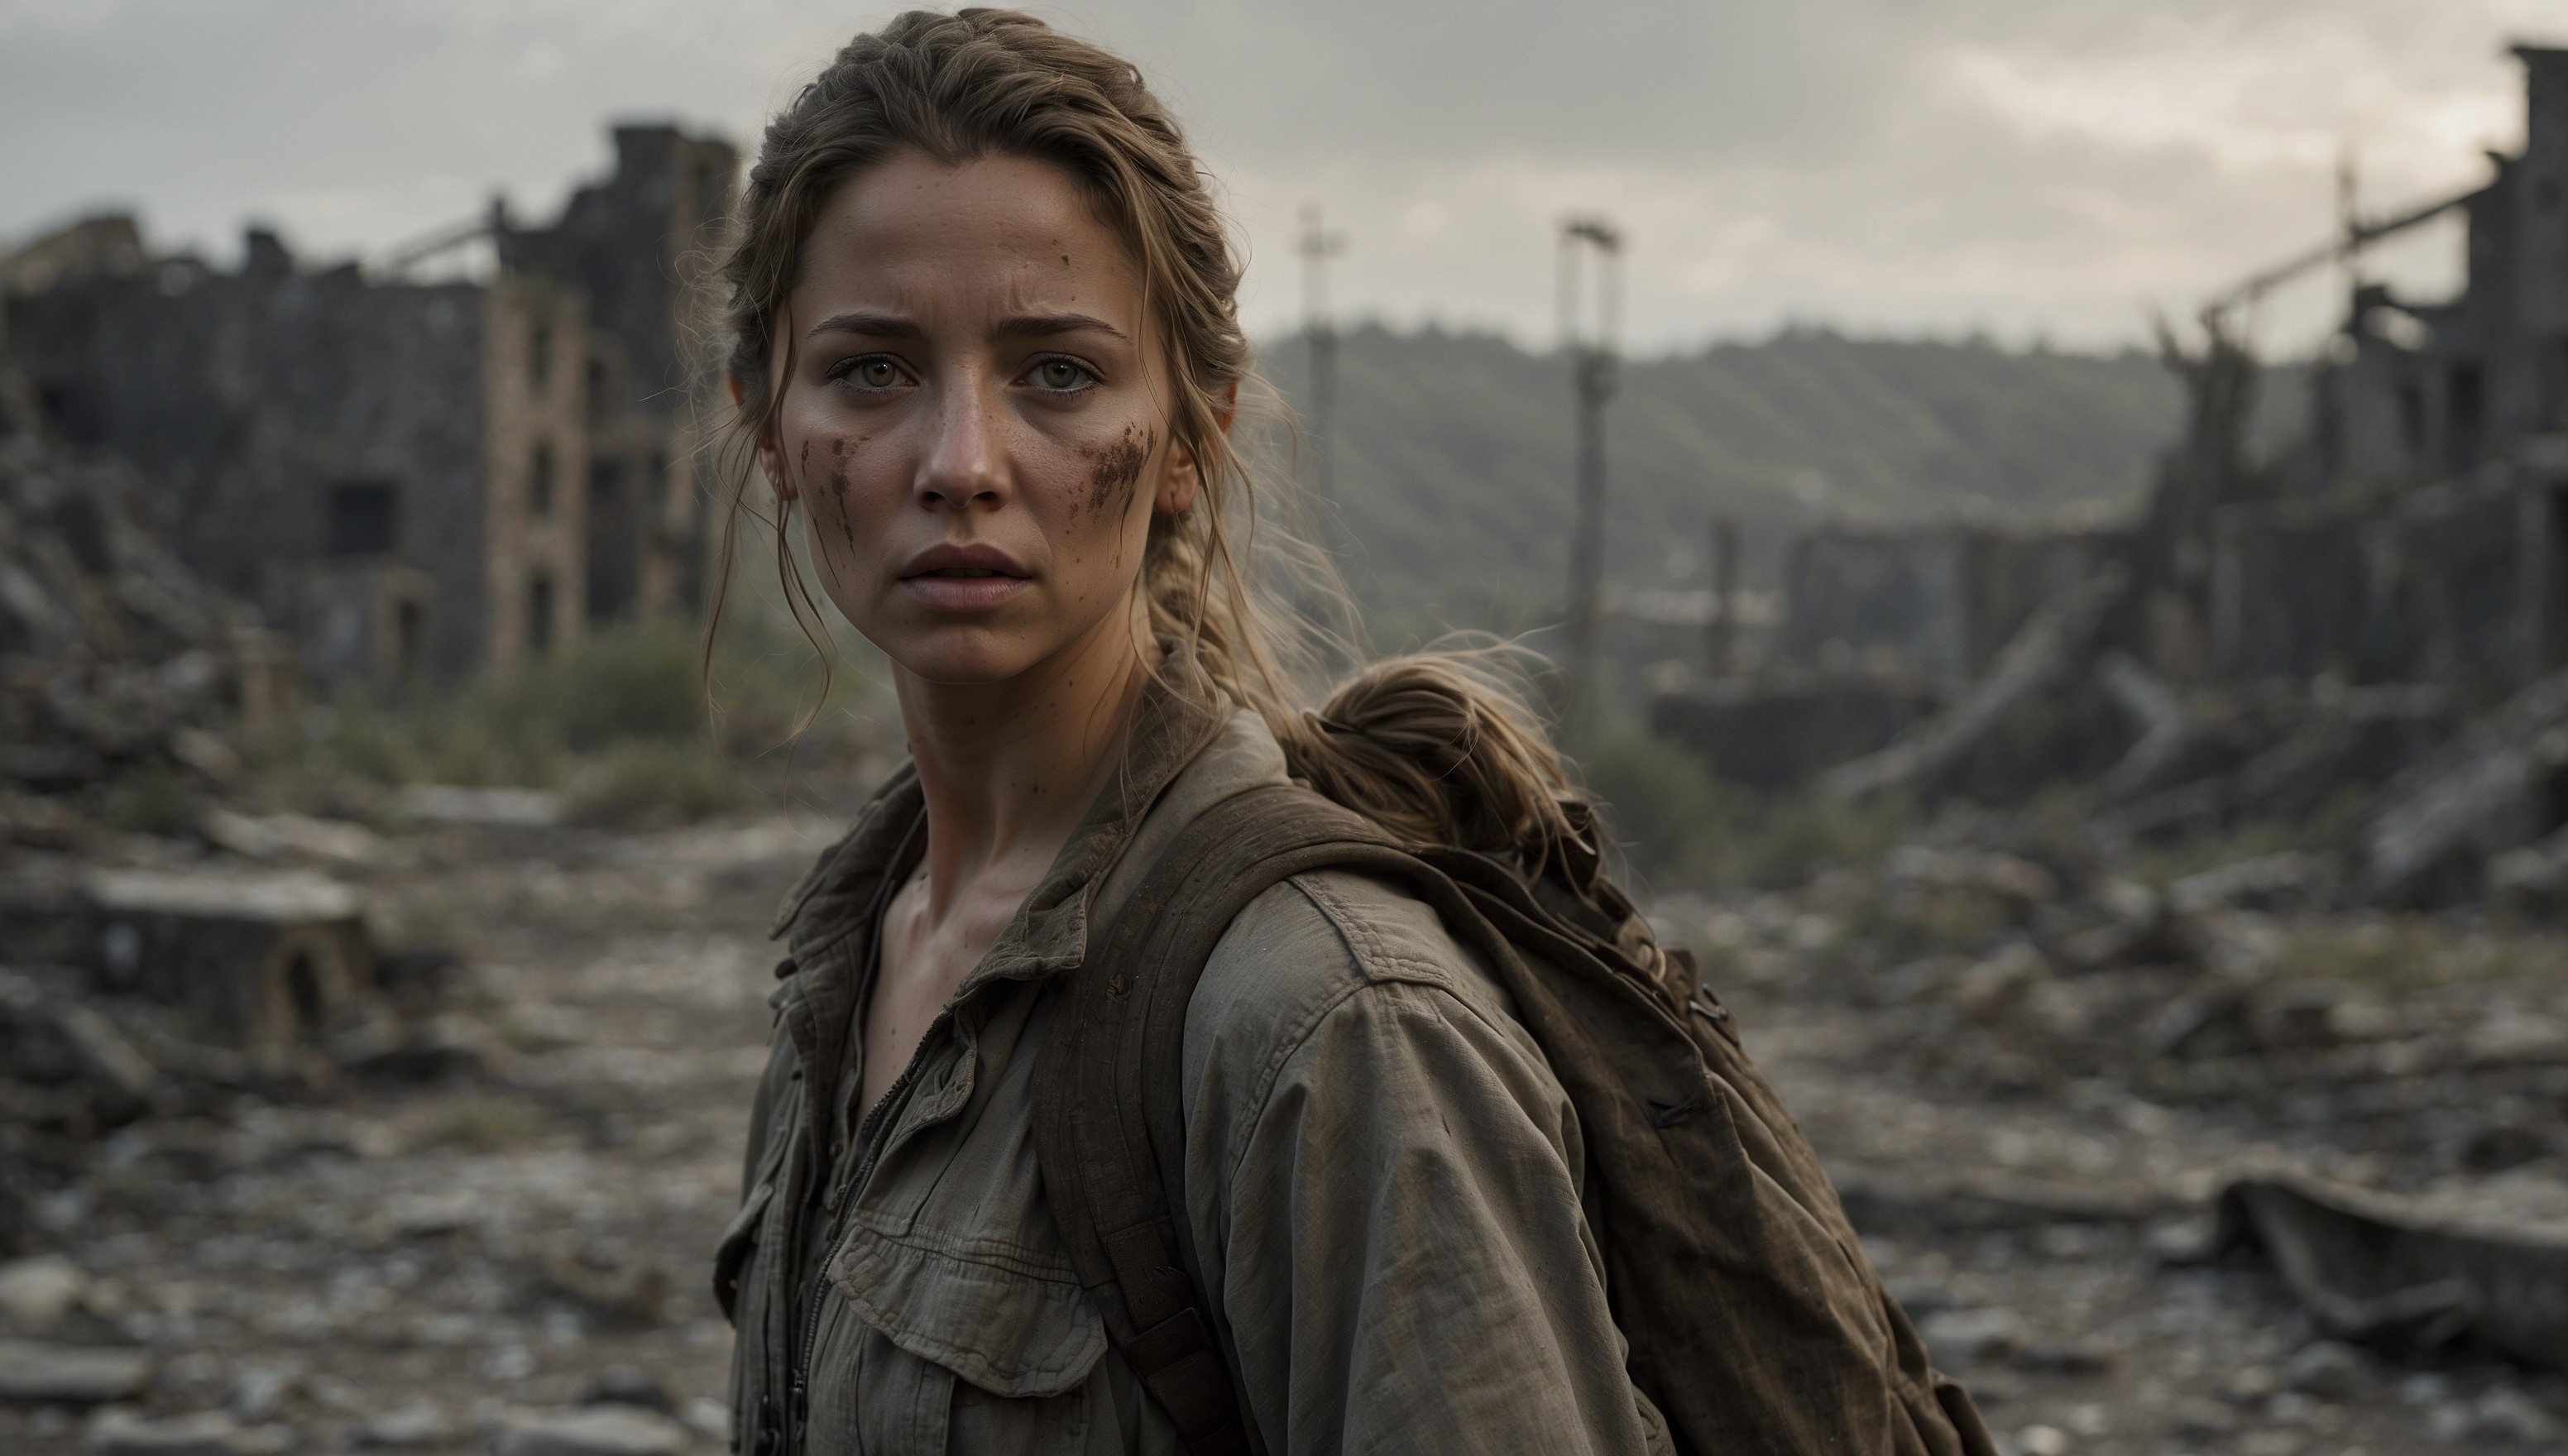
{"points": [[420, 1264]]}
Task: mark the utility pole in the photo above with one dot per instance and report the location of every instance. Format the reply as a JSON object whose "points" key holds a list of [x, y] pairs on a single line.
{"points": [[1320, 335], [1722, 636], [1591, 285], [2349, 229]]}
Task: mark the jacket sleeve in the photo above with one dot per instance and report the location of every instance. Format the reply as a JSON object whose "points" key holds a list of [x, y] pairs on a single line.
{"points": [[1380, 1176]]}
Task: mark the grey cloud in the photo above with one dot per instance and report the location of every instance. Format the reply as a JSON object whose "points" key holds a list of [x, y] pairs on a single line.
{"points": [[1820, 157]]}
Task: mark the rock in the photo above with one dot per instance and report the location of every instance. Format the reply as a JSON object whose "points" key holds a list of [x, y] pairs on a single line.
{"points": [[2503, 1145], [35, 1373], [515, 808], [2265, 882], [435, 1048], [1960, 1337], [709, 1418], [2508, 1414], [2042, 1441], [2066, 1358], [2328, 1369], [417, 1423], [627, 1385], [616, 1285], [292, 836], [35, 1292], [259, 1389], [597, 1430], [206, 1433], [1991, 989]]}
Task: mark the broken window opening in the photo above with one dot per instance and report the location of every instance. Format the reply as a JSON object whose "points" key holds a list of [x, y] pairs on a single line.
{"points": [[539, 612], [2465, 408], [540, 354], [2553, 384], [303, 992], [410, 625], [364, 518], [540, 482]]}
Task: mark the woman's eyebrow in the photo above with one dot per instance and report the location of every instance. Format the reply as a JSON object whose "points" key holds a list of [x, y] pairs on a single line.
{"points": [[876, 325], [1036, 325]]}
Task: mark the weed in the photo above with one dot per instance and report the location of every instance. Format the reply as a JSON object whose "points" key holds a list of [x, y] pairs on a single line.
{"points": [[1681, 827], [157, 799], [485, 1124], [640, 780]]}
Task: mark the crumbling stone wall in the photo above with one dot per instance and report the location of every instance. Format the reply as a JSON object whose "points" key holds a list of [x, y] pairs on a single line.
{"points": [[411, 480]]}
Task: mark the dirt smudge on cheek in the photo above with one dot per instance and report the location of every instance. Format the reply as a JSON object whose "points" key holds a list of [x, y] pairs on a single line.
{"points": [[1119, 468], [843, 452]]}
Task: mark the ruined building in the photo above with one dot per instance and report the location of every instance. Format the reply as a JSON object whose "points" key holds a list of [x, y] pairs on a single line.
{"points": [[2400, 569], [2417, 532], [411, 480]]}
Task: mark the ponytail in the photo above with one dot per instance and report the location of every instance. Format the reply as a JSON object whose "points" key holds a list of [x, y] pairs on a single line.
{"points": [[1439, 753]]}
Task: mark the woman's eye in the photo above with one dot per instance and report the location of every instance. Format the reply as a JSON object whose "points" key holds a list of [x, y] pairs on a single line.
{"points": [[868, 374], [1060, 373]]}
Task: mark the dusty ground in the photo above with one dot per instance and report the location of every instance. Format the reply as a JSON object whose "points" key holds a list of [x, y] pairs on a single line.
{"points": [[417, 1262]]}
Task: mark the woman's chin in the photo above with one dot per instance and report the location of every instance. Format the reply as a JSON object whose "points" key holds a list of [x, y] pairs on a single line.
{"points": [[964, 657]]}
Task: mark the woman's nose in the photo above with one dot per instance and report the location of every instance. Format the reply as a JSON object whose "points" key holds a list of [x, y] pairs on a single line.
{"points": [[966, 464]]}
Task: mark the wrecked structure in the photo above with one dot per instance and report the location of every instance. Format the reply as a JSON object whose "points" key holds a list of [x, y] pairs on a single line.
{"points": [[2381, 607], [411, 481]]}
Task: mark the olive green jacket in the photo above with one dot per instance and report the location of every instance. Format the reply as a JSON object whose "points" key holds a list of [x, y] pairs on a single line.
{"points": [[1381, 1172]]}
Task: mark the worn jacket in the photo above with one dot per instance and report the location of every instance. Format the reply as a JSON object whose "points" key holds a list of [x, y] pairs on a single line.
{"points": [[1382, 1175]]}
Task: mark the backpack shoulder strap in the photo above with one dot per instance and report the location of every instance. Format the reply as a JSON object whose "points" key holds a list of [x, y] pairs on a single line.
{"points": [[1109, 1120]]}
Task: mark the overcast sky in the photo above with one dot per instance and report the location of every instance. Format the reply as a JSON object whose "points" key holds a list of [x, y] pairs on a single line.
{"points": [[1903, 167]]}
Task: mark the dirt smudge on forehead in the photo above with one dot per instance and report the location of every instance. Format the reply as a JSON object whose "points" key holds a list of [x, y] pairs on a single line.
{"points": [[1118, 466]]}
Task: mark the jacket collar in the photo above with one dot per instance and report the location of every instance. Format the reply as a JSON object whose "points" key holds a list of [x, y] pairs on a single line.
{"points": [[823, 920]]}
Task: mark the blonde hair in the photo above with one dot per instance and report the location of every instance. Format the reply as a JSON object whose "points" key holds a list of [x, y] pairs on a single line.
{"points": [[1438, 747]]}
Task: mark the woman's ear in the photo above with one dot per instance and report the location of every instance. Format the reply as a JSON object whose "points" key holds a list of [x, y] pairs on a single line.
{"points": [[1184, 477], [771, 462], [1178, 483]]}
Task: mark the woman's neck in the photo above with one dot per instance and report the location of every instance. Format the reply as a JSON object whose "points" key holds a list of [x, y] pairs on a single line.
{"points": [[1008, 769]]}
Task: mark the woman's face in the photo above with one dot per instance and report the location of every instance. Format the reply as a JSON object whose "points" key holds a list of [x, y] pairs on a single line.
{"points": [[973, 415]]}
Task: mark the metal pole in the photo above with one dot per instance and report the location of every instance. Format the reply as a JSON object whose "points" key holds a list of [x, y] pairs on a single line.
{"points": [[1589, 251], [1320, 333], [1723, 638]]}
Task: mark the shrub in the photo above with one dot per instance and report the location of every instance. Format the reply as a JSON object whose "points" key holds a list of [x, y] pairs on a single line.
{"points": [[1660, 803], [641, 780], [1681, 827]]}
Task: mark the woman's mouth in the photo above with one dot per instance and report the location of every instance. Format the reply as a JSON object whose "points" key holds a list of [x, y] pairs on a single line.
{"points": [[962, 579]]}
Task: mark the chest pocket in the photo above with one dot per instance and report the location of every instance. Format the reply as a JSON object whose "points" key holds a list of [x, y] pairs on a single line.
{"points": [[1013, 1331]]}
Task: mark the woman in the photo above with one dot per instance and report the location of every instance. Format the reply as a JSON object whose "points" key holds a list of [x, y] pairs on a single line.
{"points": [[982, 337]]}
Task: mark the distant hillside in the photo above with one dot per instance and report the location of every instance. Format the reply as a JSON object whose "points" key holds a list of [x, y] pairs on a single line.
{"points": [[1454, 455]]}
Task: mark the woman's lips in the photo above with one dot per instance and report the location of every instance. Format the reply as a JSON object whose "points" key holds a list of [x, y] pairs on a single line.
{"points": [[954, 591]]}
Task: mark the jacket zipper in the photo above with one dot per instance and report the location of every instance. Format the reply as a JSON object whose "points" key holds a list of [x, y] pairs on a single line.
{"points": [[873, 1134]]}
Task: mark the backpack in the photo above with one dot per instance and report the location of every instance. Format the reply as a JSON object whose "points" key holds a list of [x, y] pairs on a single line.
{"points": [[1754, 1321]]}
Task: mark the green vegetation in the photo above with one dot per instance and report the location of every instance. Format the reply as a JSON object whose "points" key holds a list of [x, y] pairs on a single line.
{"points": [[2407, 952], [620, 722], [1677, 825], [485, 1125], [2329, 827]]}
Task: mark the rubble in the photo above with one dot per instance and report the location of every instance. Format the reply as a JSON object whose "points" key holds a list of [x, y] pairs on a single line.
{"points": [[2491, 790], [113, 654], [207, 1433], [597, 1430], [34, 1372], [2051, 645], [2371, 1272]]}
